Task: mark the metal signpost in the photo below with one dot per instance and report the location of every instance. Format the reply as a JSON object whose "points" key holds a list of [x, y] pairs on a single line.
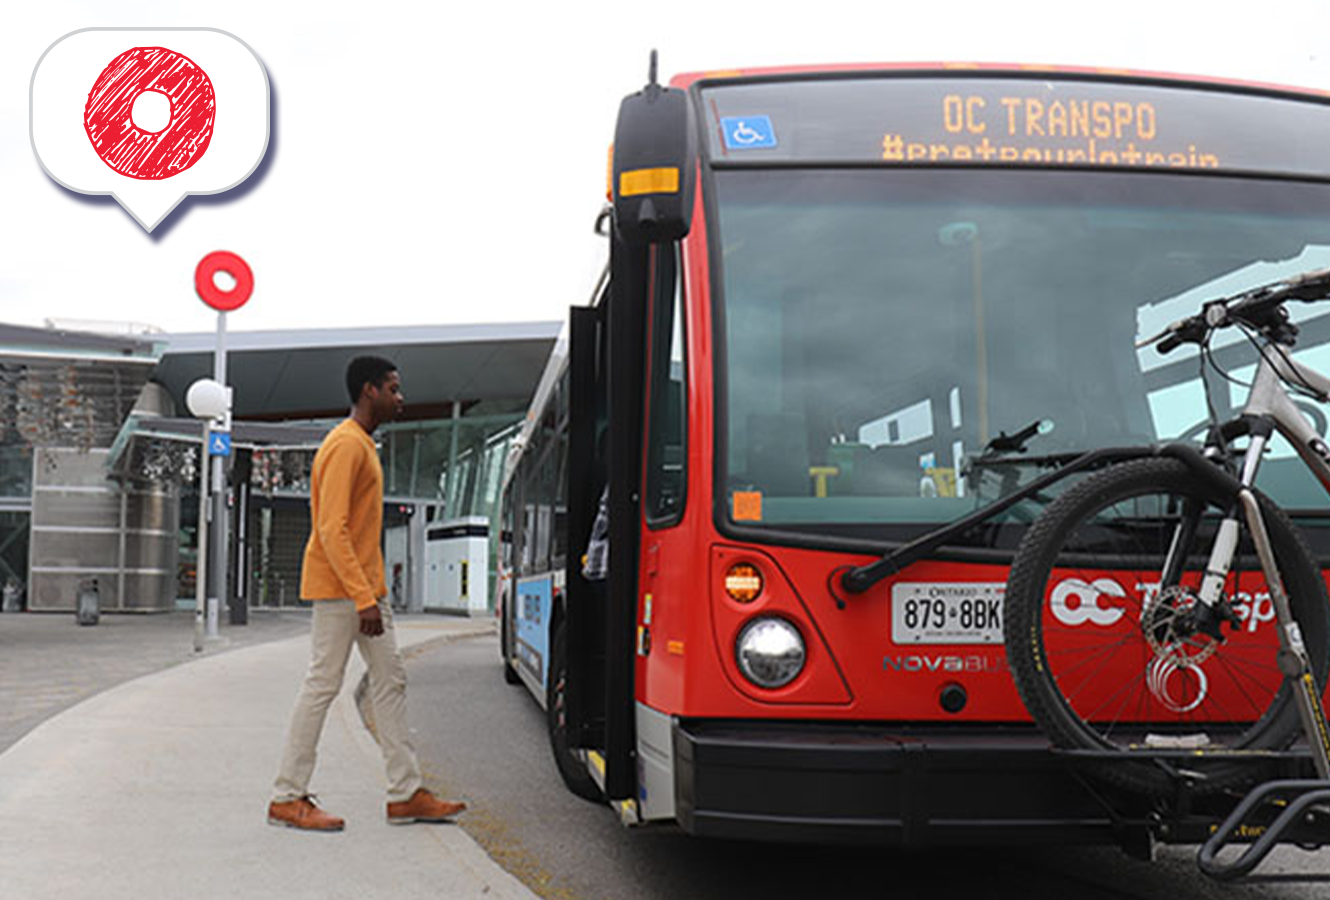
{"points": [[210, 400]]}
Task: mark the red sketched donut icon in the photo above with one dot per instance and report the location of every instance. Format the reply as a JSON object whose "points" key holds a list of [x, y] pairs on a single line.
{"points": [[150, 113]]}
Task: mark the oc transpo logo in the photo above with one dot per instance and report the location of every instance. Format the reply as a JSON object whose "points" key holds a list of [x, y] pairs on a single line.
{"points": [[1086, 607], [1076, 602], [149, 115]]}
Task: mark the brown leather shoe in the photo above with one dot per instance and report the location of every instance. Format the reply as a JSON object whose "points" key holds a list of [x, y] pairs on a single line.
{"points": [[303, 814], [423, 807]]}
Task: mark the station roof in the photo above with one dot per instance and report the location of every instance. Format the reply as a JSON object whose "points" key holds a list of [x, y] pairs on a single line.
{"points": [[298, 374]]}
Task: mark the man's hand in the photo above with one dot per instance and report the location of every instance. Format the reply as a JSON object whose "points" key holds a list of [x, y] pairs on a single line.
{"points": [[371, 621]]}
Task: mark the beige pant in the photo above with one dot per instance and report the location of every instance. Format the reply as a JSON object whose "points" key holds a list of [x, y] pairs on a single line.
{"points": [[336, 627]]}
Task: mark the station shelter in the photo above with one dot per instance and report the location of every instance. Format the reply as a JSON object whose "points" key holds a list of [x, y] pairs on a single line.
{"points": [[100, 461]]}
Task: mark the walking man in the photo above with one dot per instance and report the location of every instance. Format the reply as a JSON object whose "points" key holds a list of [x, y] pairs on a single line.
{"points": [[343, 576]]}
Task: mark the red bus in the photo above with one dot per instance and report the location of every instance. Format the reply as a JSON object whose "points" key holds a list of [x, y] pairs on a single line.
{"points": [[846, 307]]}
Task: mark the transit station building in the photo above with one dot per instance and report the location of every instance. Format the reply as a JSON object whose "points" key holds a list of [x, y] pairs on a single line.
{"points": [[100, 461]]}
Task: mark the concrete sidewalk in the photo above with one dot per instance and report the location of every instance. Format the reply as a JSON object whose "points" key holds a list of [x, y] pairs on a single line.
{"points": [[158, 788]]}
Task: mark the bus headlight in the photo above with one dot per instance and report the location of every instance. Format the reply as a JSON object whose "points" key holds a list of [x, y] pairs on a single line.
{"points": [[770, 652]]}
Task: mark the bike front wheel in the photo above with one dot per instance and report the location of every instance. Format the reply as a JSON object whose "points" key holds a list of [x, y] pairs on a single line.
{"points": [[1112, 651]]}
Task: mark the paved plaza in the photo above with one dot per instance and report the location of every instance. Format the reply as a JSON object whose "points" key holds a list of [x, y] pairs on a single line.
{"points": [[48, 662]]}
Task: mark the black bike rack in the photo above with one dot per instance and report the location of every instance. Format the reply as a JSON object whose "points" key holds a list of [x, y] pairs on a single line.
{"points": [[1298, 798], [1287, 810]]}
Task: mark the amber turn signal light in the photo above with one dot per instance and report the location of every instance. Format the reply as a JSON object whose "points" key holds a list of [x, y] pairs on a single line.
{"points": [[743, 582]]}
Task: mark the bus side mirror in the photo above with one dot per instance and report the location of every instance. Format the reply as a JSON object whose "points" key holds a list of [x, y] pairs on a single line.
{"points": [[654, 163]]}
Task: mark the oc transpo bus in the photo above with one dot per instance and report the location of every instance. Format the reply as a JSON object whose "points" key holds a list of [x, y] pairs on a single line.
{"points": [[844, 309]]}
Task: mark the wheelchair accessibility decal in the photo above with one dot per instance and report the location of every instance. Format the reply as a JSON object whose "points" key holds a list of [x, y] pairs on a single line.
{"points": [[748, 132]]}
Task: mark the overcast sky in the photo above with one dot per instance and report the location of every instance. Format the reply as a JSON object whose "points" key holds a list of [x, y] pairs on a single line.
{"points": [[482, 131]]}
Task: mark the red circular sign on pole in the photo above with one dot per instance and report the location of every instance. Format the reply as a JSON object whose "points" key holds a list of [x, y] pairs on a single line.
{"points": [[210, 293]]}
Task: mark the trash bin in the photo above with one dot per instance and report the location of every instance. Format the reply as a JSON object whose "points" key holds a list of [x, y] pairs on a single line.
{"points": [[89, 602], [9, 597]]}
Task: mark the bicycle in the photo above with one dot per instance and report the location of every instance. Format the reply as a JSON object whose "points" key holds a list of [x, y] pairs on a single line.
{"points": [[1136, 607]]}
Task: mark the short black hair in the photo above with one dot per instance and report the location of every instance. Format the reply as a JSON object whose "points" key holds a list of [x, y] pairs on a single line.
{"points": [[365, 370]]}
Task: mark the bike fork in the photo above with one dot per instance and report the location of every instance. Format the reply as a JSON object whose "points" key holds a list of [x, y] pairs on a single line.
{"points": [[1226, 540]]}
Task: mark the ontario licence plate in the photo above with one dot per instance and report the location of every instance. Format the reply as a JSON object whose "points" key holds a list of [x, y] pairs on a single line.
{"points": [[947, 613]]}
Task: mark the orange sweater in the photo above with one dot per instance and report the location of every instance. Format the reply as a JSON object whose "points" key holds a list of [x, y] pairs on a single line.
{"points": [[343, 558]]}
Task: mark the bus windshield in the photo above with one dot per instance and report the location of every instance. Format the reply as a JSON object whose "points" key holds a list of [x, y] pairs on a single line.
{"points": [[880, 327]]}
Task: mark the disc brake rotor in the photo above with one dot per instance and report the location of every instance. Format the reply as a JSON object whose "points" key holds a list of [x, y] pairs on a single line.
{"points": [[1169, 625]]}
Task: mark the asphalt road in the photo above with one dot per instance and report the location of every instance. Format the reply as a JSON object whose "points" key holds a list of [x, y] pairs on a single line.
{"points": [[484, 740]]}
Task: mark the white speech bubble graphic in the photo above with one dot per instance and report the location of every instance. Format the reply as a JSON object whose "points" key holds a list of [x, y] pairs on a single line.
{"points": [[149, 115]]}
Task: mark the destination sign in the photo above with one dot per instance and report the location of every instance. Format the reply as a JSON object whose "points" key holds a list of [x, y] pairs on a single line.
{"points": [[1049, 122], [1042, 129]]}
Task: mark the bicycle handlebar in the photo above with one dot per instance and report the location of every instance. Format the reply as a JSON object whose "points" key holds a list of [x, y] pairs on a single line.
{"points": [[1253, 307]]}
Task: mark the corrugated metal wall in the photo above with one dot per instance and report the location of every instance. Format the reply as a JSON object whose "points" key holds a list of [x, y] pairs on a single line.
{"points": [[86, 527]]}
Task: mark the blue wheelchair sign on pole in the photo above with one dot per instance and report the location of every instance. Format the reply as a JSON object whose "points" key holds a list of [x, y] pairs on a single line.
{"points": [[219, 444]]}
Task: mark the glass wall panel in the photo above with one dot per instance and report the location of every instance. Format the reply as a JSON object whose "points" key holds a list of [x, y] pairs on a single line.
{"points": [[418, 461], [15, 471], [14, 549], [460, 464]]}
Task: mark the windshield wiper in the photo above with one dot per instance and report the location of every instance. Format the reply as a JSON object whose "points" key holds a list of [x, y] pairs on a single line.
{"points": [[860, 578], [1015, 443], [1005, 455]]}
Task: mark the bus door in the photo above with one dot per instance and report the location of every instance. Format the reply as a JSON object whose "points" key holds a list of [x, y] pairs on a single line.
{"points": [[655, 157], [606, 386], [605, 383], [588, 472]]}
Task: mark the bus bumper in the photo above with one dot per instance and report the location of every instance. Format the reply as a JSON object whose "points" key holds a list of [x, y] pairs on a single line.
{"points": [[867, 784]]}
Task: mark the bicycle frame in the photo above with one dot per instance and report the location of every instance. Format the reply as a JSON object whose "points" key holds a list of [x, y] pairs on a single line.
{"points": [[1269, 408], [1269, 402]]}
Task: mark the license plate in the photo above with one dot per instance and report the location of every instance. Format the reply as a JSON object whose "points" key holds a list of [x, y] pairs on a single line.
{"points": [[956, 613]]}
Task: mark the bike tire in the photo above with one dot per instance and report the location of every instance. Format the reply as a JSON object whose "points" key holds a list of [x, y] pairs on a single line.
{"points": [[1115, 673]]}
